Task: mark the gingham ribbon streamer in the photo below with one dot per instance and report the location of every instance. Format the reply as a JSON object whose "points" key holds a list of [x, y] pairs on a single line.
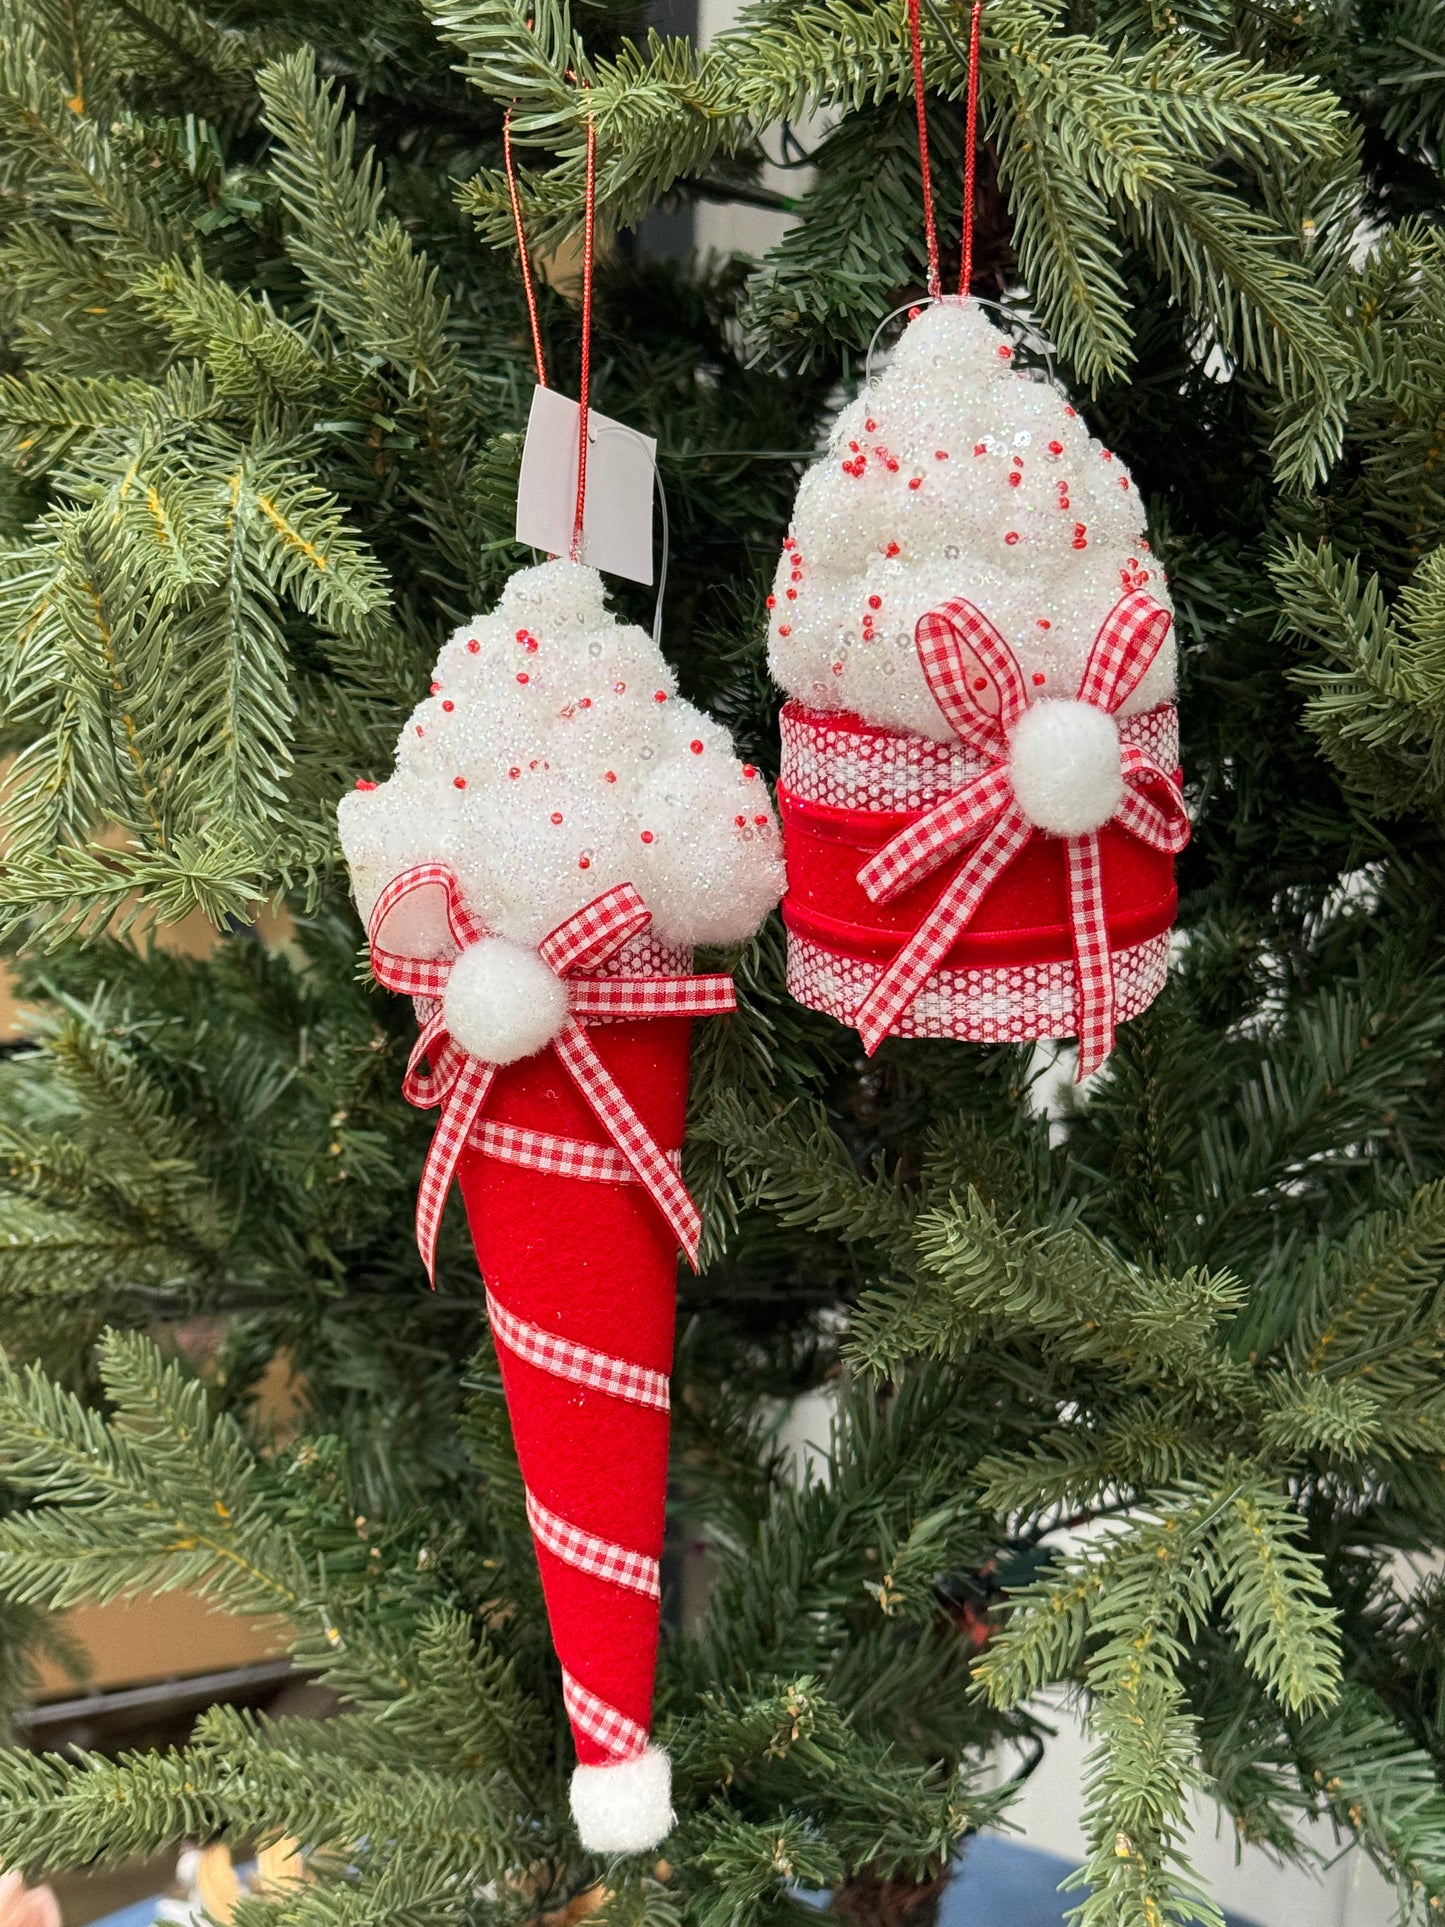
{"points": [[977, 683], [459, 1083]]}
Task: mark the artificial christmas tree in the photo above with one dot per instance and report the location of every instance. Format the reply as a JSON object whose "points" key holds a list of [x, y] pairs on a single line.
{"points": [[263, 390]]}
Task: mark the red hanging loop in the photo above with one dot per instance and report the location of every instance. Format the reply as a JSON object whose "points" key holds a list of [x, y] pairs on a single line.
{"points": [[970, 154], [935, 281], [588, 224], [522, 254]]}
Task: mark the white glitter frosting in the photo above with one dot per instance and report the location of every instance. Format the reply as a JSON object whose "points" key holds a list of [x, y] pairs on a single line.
{"points": [[553, 759], [954, 474]]}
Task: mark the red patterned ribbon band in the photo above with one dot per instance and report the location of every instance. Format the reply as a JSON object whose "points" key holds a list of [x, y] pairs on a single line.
{"points": [[977, 683], [459, 1083]]}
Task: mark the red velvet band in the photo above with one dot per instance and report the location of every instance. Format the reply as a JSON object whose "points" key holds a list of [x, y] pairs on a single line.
{"points": [[597, 1264], [1024, 918]]}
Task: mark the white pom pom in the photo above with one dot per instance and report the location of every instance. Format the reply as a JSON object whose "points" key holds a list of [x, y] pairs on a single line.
{"points": [[625, 1808], [1064, 764], [502, 1002]]}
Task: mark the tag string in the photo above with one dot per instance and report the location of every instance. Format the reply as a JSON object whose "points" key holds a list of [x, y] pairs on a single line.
{"points": [[522, 251], [584, 385], [930, 226], [970, 151]]}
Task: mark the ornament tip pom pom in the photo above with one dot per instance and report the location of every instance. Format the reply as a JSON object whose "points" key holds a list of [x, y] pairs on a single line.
{"points": [[626, 1807]]}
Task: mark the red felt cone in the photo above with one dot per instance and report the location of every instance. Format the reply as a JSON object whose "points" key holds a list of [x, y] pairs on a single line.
{"points": [[581, 1281]]}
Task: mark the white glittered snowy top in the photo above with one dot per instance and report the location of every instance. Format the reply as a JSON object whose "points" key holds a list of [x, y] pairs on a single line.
{"points": [[553, 759], [955, 474]]}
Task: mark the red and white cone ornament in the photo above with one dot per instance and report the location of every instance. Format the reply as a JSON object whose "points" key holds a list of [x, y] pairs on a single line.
{"points": [[560, 831], [980, 785]]}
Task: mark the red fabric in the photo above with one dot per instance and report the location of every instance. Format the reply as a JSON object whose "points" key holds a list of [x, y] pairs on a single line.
{"points": [[1023, 918], [595, 1263]]}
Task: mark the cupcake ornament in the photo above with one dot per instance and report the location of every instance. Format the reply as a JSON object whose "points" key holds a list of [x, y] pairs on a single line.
{"points": [[561, 828], [980, 787]]}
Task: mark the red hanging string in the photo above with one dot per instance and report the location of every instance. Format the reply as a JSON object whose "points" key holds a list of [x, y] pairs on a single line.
{"points": [[588, 223], [970, 150], [522, 254], [935, 282]]}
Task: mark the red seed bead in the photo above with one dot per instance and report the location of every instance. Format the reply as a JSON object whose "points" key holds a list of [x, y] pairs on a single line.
{"points": [[980, 448], [1038, 679], [473, 647], [790, 542], [436, 689], [980, 682], [1072, 413], [760, 819], [449, 706], [892, 549], [914, 313], [915, 481], [854, 447], [1015, 479], [1123, 481], [419, 730], [1081, 528], [772, 602], [1012, 537], [362, 784], [1056, 448], [521, 635], [585, 703], [1063, 501], [514, 771], [875, 602], [1005, 354], [870, 425], [891, 465], [750, 771], [741, 821], [695, 746], [584, 863], [1044, 623], [1018, 461], [647, 836], [1079, 542], [522, 676], [783, 629], [1107, 453], [659, 695], [611, 776], [791, 594], [940, 454], [459, 782], [556, 816]]}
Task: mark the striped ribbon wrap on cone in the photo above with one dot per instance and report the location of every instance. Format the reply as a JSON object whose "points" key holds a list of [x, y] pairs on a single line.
{"points": [[577, 1239], [977, 683]]}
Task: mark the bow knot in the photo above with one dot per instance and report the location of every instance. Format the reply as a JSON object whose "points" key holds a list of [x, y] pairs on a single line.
{"points": [[459, 1082], [1056, 766]]}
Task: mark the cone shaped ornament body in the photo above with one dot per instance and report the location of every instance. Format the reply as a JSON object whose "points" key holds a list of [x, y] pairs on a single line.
{"points": [[979, 783], [561, 830]]}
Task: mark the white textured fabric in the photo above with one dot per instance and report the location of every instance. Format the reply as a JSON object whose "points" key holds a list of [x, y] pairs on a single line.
{"points": [[1009, 1004]]}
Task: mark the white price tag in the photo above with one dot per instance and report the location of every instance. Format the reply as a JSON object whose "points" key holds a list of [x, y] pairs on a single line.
{"points": [[617, 522]]}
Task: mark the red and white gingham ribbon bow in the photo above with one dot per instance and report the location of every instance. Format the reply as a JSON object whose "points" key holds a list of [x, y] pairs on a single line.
{"points": [[459, 1083], [977, 683]]}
